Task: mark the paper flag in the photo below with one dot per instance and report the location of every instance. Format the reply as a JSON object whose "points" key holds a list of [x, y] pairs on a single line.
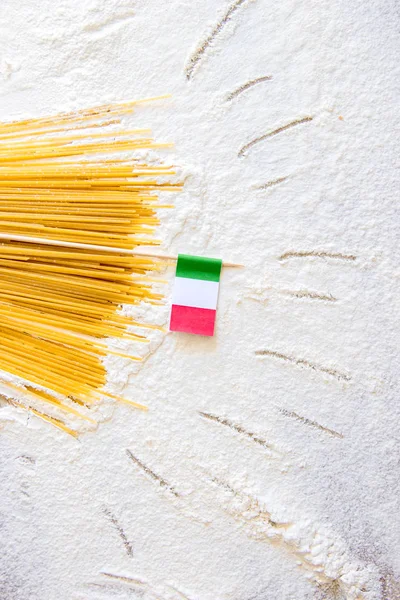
{"points": [[195, 295]]}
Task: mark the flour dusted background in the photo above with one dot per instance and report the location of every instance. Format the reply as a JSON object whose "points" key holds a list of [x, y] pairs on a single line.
{"points": [[267, 465]]}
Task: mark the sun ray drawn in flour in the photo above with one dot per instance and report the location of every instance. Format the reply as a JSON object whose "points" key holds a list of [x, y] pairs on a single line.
{"points": [[121, 532], [263, 294], [309, 295], [198, 55], [273, 182], [124, 578], [109, 24], [238, 428], [244, 149], [179, 592], [340, 376], [317, 254], [309, 422], [26, 460], [141, 585], [161, 482], [109, 590], [247, 86]]}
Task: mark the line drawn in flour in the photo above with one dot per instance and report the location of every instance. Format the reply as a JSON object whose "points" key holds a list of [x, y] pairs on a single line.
{"points": [[247, 86], [110, 28], [340, 376], [260, 294], [162, 482], [317, 254], [124, 578], [25, 459], [198, 55], [110, 23], [308, 294], [179, 592], [239, 429], [309, 422], [271, 183], [127, 544], [144, 586], [244, 149], [247, 500], [111, 590], [179, 499]]}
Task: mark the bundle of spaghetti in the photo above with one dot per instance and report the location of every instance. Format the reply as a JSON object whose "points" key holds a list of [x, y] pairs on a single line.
{"points": [[71, 179]]}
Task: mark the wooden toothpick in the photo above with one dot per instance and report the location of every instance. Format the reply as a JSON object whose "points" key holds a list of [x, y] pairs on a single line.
{"points": [[34, 240]]}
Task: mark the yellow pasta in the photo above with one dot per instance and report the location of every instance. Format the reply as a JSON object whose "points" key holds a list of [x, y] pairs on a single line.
{"points": [[71, 178]]}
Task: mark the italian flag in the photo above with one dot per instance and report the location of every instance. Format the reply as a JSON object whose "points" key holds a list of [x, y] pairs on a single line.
{"points": [[195, 295]]}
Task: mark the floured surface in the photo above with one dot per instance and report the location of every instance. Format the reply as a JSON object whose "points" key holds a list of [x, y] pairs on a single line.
{"points": [[266, 465]]}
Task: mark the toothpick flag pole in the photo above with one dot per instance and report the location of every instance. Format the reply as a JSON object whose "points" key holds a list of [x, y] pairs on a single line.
{"points": [[48, 242]]}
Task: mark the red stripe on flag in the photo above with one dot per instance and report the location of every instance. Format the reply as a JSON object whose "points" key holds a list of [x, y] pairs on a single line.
{"points": [[189, 319]]}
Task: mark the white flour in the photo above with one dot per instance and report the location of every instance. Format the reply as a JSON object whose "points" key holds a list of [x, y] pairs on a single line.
{"points": [[285, 487]]}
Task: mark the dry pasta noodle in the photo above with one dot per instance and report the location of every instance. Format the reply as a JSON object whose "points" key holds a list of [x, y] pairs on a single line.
{"points": [[71, 178]]}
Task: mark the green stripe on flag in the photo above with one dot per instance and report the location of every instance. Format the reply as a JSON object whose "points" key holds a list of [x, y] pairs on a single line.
{"points": [[198, 267]]}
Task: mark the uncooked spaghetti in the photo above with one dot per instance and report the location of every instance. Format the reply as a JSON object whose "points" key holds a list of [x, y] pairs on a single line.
{"points": [[72, 178]]}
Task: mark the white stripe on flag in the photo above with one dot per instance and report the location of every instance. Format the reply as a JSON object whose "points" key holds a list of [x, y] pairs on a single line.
{"points": [[195, 292]]}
